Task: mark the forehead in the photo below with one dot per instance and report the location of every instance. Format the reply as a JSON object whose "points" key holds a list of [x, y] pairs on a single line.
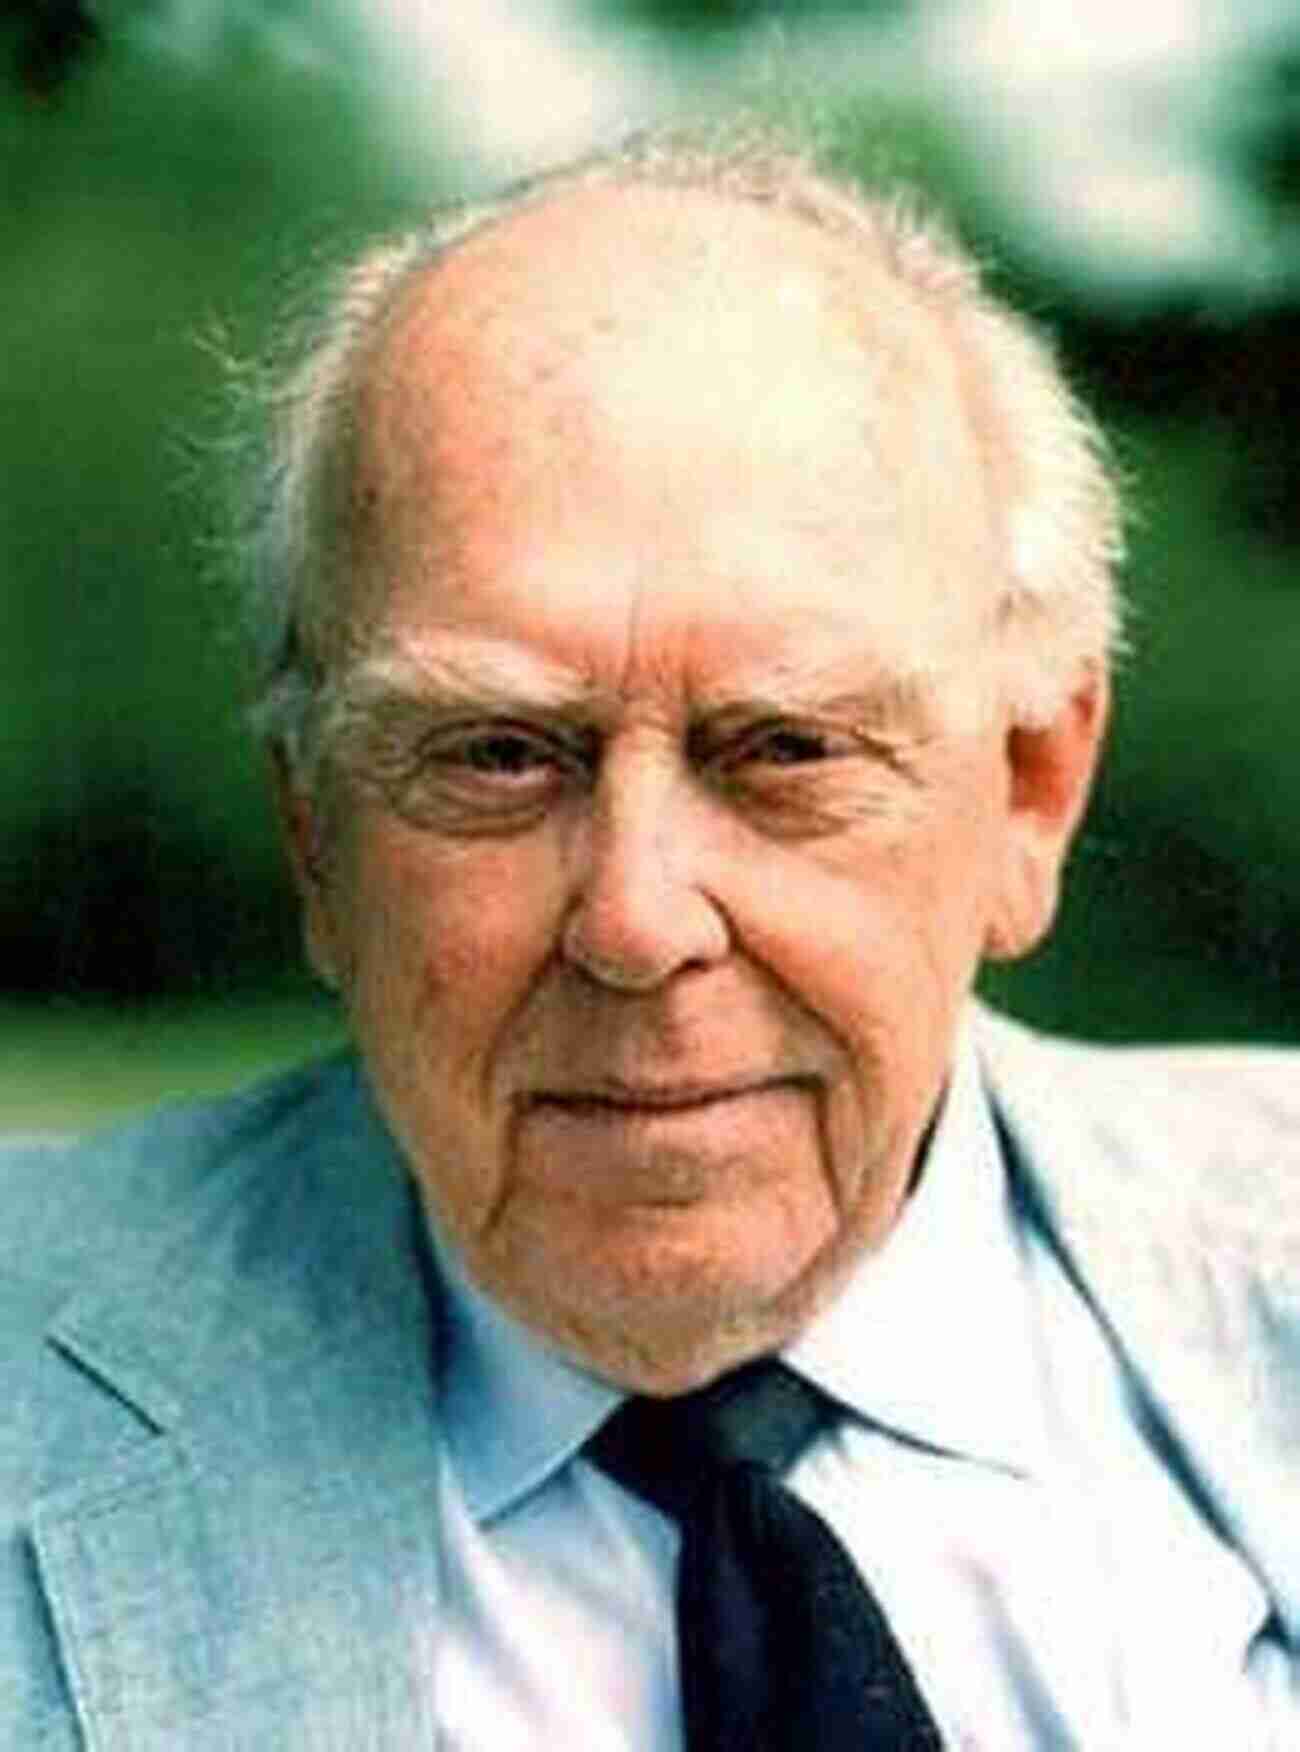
{"points": [[655, 309], [673, 399]]}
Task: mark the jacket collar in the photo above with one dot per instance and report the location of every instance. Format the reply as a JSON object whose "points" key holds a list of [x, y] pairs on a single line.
{"points": [[1170, 1197]]}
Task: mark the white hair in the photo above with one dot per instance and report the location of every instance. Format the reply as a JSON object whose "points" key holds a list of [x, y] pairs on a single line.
{"points": [[1058, 613]]}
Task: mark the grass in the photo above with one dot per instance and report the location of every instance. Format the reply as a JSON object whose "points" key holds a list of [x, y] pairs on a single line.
{"points": [[70, 1066]]}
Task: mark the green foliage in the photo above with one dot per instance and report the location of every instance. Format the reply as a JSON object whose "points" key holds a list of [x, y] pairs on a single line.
{"points": [[162, 196], [721, 15], [1182, 914], [161, 199], [45, 40]]}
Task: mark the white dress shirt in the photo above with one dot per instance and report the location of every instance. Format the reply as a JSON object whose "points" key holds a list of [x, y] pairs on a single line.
{"points": [[1050, 1582]]}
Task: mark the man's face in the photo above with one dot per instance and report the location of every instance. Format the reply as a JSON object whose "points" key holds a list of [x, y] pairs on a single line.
{"points": [[679, 806]]}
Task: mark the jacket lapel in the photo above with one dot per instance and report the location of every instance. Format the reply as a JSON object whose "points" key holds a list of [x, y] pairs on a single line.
{"points": [[1175, 1212], [248, 1556], [241, 1552]]}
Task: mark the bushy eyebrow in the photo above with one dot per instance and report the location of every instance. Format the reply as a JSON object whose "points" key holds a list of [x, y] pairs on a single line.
{"points": [[908, 706], [495, 677], [475, 675]]}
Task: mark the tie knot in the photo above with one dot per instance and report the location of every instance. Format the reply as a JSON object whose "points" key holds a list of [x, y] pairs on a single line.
{"points": [[761, 1414]]}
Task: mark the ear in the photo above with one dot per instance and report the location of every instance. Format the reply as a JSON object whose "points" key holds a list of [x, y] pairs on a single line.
{"points": [[304, 835], [1050, 769]]}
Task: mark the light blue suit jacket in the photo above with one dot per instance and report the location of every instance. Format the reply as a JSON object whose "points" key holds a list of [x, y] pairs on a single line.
{"points": [[218, 1384]]}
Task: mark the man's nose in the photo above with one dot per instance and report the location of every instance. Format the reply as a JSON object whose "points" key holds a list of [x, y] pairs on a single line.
{"points": [[640, 911]]}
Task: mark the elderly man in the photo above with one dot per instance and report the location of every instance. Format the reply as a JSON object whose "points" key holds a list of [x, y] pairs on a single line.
{"points": [[689, 603]]}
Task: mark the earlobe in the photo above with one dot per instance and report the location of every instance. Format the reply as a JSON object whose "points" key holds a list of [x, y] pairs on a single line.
{"points": [[1050, 774]]}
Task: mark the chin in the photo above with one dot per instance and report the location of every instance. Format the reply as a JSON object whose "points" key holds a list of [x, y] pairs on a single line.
{"points": [[663, 1319]]}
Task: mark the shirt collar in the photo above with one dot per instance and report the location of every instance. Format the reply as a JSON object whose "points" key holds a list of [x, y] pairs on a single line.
{"points": [[514, 1410], [929, 1339]]}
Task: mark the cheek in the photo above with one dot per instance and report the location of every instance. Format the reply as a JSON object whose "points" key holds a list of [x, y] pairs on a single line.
{"points": [[445, 943], [447, 915], [446, 946], [886, 971], [896, 927]]}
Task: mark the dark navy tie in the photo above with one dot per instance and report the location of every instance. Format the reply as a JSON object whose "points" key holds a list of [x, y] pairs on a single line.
{"points": [[782, 1646]]}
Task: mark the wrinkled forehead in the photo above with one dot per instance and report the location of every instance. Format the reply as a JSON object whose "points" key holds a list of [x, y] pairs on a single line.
{"points": [[645, 300], [652, 339]]}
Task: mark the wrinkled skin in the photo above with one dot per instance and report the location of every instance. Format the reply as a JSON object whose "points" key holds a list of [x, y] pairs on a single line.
{"points": [[680, 803]]}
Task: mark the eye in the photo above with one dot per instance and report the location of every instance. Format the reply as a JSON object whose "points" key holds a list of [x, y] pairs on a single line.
{"points": [[499, 752], [787, 745], [798, 777], [477, 776], [780, 742]]}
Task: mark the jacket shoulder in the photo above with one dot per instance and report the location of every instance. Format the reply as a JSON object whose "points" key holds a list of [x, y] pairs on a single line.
{"points": [[1256, 1088], [1212, 1132], [68, 1203]]}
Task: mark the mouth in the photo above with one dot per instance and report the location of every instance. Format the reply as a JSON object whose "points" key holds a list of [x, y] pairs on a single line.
{"points": [[615, 1098], [662, 1143]]}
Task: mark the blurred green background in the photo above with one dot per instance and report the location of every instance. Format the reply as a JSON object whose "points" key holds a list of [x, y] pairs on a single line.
{"points": [[174, 174]]}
